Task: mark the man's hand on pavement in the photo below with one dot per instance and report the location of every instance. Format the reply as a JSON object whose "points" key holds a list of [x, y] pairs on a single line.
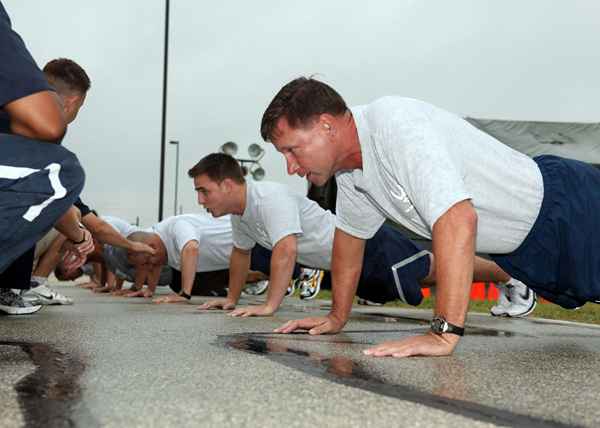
{"points": [[252, 311], [429, 344], [315, 325], [171, 298], [224, 304], [146, 293]]}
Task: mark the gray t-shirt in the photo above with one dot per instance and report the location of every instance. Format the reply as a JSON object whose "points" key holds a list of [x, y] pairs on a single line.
{"points": [[213, 236], [274, 212], [116, 262], [419, 161], [120, 225]]}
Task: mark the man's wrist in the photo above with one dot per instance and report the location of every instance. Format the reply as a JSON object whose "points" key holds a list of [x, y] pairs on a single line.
{"points": [[82, 240], [185, 295], [342, 319]]}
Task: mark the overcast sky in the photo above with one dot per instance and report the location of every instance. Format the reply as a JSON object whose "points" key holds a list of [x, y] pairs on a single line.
{"points": [[525, 60]]}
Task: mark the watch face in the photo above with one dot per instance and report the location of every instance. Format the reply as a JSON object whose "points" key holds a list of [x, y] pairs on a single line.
{"points": [[438, 325]]}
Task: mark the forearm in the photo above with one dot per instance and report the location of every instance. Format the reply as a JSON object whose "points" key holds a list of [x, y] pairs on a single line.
{"points": [[153, 278], [189, 262], [282, 268], [454, 249], [141, 273], [346, 269], [68, 225], [107, 234], [239, 267]]}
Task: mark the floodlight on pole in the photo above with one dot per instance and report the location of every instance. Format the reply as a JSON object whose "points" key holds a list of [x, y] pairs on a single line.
{"points": [[256, 152], [257, 171], [229, 148]]}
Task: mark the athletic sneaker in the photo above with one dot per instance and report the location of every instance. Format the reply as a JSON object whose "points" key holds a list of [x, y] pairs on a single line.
{"points": [[13, 304], [292, 287], [515, 300], [310, 282], [366, 302], [44, 295], [256, 288], [499, 309]]}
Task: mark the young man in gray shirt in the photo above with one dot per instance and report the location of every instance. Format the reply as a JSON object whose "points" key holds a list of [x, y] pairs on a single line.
{"points": [[298, 230]]}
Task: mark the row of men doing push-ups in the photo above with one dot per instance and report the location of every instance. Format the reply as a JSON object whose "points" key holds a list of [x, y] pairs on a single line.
{"points": [[265, 228], [396, 158]]}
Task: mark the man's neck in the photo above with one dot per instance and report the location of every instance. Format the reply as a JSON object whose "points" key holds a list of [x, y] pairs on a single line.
{"points": [[350, 151], [241, 191]]}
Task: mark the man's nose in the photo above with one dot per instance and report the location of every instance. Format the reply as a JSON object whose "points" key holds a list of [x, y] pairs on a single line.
{"points": [[292, 165]]}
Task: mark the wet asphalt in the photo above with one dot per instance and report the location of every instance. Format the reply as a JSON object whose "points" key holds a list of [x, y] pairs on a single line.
{"points": [[109, 361]]}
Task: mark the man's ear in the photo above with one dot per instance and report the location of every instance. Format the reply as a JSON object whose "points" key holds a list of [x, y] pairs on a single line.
{"points": [[227, 185]]}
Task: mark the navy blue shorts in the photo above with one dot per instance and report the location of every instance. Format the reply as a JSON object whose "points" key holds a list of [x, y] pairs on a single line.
{"points": [[393, 267], [560, 257], [38, 184]]}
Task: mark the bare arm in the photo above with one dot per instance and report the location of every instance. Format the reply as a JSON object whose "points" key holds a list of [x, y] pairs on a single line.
{"points": [[189, 262], [347, 260], [282, 267], [107, 234], [454, 248], [68, 225], [38, 116]]}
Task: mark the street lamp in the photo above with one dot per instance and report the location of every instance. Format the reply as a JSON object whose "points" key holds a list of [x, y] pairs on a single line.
{"points": [[176, 144]]}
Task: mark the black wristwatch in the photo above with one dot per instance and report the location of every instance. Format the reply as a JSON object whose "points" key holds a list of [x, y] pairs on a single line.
{"points": [[439, 325], [82, 227], [185, 295]]}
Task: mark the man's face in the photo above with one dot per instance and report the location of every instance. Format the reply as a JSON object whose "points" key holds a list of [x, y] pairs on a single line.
{"points": [[216, 197], [309, 151], [147, 260], [138, 259]]}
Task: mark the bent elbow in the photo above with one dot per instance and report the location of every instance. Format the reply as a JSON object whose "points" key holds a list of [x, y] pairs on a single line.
{"points": [[51, 130]]}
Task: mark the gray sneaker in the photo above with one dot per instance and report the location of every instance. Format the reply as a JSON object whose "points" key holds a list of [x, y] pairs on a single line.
{"points": [[516, 300], [44, 295], [12, 303], [256, 288], [500, 308], [310, 283]]}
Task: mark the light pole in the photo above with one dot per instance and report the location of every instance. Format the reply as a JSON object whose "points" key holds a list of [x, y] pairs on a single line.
{"points": [[161, 185], [176, 144]]}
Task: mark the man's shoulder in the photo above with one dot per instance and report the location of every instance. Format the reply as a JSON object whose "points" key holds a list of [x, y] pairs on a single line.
{"points": [[266, 192], [391, 109]]}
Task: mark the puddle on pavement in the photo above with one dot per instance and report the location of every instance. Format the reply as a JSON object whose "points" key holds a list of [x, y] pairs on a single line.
{"points": [[348, 372], [48, 396]]}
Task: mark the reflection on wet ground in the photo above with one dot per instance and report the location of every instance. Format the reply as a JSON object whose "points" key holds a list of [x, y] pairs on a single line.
{"points": [[471, 331], [285, 349], [48, 395]]}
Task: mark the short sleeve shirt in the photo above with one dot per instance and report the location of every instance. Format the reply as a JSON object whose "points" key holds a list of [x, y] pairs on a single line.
{"points": [[274, 212], [19, 74], [419, 161], [83, 208], [120, 225], [212, 234]]}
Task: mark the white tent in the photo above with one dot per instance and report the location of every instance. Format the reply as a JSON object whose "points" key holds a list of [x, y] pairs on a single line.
{"points": [[579, 141]]}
